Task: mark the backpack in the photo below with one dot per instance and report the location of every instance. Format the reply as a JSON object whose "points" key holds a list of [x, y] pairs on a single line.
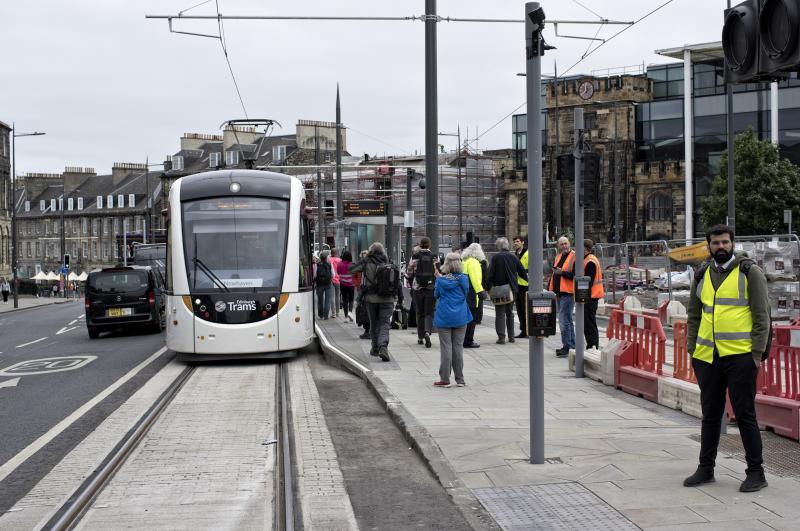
{"points": [[424, 275], [744, 267], [324, 274], [386, 282]]}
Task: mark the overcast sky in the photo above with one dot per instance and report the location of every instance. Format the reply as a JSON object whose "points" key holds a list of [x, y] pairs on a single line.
{"points": [[108, 85]]}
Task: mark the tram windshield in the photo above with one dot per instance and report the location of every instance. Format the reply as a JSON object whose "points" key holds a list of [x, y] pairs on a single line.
{"points": [[235, 243]]}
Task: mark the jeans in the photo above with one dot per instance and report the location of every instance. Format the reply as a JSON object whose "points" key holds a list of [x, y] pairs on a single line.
{"points": [[348, 292], [452, 353], [504, 320], [324, 299], [736, 374], [380, 319], [590, 323], [425, 304], [565, 306], [337, 299]]}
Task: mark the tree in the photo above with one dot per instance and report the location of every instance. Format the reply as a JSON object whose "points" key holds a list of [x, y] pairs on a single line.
{"points": [[766, 184]]}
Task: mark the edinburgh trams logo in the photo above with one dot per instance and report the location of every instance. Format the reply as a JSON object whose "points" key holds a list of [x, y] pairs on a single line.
{"points": [[220, 306]]}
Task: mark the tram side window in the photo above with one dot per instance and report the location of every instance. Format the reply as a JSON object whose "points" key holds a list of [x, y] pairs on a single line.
{"points": [[306, 275]]}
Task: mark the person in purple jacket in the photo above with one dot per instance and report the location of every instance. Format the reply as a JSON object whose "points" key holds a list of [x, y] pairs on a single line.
{"points": [[451, 318]]}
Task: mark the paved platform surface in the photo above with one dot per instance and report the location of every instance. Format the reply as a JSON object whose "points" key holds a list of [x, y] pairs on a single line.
{"points": [[614, 461]]}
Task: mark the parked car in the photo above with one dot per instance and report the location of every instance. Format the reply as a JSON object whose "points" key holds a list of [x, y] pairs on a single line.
{"points": [[123, 297]]}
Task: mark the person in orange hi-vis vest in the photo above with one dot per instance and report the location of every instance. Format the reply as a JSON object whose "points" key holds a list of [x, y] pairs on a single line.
{"points": [[562, 284], [594, 270]]}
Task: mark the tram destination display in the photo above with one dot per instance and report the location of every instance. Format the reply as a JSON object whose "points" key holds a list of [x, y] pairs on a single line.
{"points": [[364, 208]]}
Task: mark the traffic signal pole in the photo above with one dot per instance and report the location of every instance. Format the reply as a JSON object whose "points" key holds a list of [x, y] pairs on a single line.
{"points": [[534, 24]]}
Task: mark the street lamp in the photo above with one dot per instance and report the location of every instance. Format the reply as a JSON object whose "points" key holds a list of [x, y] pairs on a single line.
{"points": [[14, 135]]}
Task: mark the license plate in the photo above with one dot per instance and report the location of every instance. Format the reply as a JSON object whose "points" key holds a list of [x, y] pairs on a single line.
{"points": [[118, 312]]}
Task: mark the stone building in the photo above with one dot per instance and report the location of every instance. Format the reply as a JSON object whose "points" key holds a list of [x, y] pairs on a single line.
{"points": [[99, 210], [5, 200], [609, 109]]}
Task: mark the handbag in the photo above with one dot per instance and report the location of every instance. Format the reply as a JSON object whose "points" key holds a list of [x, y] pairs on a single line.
{"points": [[501, 295]]}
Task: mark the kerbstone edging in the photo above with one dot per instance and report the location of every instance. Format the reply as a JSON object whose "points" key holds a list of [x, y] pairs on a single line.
{"points": [[680, 395], [420, 440]]}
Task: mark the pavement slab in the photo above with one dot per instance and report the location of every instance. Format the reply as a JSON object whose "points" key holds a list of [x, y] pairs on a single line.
{"points": [[628, 455]]}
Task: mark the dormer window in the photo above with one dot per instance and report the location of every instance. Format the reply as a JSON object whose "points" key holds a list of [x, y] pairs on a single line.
{"points": [[41, 205], [53, 204], [61, 203], [214, 159], [110, 201], [278, 153], [70, 203], [99, 201], [120, 201], [177, 162], [231, 158], [27, 206], [131, 200], [80, 203]]}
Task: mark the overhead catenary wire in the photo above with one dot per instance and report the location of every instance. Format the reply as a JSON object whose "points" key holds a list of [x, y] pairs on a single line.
{"points": [[378, 140], [227, 59], [579, 61]]}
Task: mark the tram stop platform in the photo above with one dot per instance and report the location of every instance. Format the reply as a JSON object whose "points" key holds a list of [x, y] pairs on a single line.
{"points": [[613, 460]]}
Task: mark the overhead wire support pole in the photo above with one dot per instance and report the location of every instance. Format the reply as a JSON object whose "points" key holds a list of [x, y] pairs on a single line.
{"points": [[431, 129], [578, 156], [535, 47]]}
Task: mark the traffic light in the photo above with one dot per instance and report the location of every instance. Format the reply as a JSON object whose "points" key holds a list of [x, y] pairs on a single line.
{"points": [[66, 262], [760, 40], [565, 167], [590, 189]]}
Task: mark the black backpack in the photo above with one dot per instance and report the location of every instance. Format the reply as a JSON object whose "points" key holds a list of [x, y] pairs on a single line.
{"points": [[744, 267], [424, 275], [387, 280], [324, 274]]}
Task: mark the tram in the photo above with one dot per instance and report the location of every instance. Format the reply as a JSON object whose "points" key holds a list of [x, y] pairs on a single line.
{"points": [[239, 277]]}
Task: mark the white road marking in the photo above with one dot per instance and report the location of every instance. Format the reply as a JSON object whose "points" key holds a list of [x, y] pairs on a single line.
{"points": [[31, 343], [66, 329], [11, 465], [9, 383], [72, 322]]}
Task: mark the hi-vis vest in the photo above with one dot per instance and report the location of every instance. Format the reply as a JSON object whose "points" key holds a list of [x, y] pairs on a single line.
{"points": [[726, 321], [598, 291], [565, 285], [524, 260]]}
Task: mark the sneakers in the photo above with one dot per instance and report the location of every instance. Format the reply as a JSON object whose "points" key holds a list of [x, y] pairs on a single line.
{"points": [[754, 482], [365, 335], [511, 339], [441, 383], [383, 353], [472, 345], [427, 339], [702, 475], [501, 340], [521, 335], [563, 352], [373, 352], [419, 341], [461, 384]]}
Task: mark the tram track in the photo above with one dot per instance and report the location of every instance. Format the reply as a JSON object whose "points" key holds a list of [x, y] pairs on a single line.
{"points": [[71, 512], [286, 515]]}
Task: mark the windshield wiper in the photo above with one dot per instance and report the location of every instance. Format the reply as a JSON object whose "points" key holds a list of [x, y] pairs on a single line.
{"points": [[214, 278]]}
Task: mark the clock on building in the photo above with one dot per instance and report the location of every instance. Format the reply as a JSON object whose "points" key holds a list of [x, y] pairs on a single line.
{"points": [[586, 90]]}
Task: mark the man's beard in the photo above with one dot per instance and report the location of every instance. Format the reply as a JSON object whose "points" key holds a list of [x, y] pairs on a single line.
{"points": [[722, 256]]}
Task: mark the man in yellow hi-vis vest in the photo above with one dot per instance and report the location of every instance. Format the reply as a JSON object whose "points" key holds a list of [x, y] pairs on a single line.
{"points": [[521, 250], [728, 328]]}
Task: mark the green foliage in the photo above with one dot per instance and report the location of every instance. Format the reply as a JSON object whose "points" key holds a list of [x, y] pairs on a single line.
{"points": [[765, 185]]}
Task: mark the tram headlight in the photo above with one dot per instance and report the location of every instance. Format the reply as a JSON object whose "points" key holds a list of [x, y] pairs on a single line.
{"points": [[235, 187]]}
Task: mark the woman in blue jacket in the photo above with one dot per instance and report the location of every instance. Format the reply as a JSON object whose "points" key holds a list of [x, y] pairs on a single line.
{"points": [[451, 318]]}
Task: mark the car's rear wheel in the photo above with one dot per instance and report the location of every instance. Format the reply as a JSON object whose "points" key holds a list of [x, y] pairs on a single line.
{"points": [[94, 334], [156, 327]]}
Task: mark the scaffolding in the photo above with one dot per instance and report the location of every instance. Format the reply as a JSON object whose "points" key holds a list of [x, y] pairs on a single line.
{"points": [[480, 217]]}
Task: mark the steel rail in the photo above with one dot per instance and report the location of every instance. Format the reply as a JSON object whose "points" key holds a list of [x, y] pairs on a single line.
{"points": [[74, 509], [284, 457]]}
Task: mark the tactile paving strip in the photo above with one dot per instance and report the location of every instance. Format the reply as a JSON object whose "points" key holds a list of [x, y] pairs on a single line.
{"points": [[556, 507], [781, 455]]}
